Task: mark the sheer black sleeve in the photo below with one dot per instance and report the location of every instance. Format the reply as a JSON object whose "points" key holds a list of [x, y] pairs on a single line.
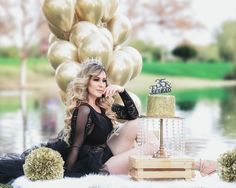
{"points": [[128, 111], [79, 135]]}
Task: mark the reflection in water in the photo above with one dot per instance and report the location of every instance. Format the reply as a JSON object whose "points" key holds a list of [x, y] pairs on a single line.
{"points": [[209, 120], [44, 120], [203, 138], [11, 132], [228, 120], [186, 105], [49, 116], [23, 109], [210, 123]]}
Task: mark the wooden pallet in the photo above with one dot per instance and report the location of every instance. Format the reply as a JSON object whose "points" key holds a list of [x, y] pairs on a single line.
{"points": [[147, 167]]}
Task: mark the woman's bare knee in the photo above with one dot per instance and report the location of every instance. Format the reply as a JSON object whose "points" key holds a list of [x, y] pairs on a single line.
{"points": [[124, 139], [119, 164]]}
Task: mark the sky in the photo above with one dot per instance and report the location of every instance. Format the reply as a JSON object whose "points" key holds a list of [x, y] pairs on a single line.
{"points": [[211, 13]]}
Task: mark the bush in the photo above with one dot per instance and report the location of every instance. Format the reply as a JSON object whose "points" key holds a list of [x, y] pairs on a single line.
{"points": [[231, 75], [148, 50], [185, 52], [226, 40], [9, 51], [5, 185], [34, 51], [208, 53]]}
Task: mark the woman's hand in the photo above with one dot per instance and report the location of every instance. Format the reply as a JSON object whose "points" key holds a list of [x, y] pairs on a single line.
{"points": [[112, 90]]}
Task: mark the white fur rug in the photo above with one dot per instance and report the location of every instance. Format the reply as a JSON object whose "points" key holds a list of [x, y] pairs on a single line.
{"points": [[112, 181]]}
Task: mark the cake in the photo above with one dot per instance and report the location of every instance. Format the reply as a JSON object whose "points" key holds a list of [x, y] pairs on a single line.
{"points": [[160, 103]]}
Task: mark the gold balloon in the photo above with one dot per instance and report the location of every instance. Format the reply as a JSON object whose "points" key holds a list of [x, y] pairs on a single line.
{"points": [[90, 10], [81, 30], [66, 72], [95, 46], [118, 47], [58, 33], [62, 95], [110, 9], [135, 98], [107, 34], [60, 13], [136, 59], [120, 27], [52, 38], [76, 19], [120, 69], [60, 51]]}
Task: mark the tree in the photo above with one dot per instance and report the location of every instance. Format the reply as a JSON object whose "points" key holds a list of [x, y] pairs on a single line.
{"points": [[149, 51], [6, 23], [185, 52], [171, 15], [21, 24], [22, 20], [209, 53], [226, 39]]}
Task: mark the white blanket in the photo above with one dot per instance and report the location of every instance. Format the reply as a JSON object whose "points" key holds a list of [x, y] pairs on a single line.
{"points": [[112, 181]]}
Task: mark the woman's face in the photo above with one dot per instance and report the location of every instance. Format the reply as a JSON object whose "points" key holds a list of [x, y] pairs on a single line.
{"points": [[97, 85]]}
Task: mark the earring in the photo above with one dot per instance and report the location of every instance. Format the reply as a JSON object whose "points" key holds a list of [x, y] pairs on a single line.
{"points": [[102, 99]]}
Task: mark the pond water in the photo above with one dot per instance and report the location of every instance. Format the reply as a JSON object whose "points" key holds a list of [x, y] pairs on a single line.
{"points": [[209, 119]]}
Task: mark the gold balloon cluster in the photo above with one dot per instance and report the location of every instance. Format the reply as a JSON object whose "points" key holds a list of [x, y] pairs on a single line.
{"points": [[82, 29]]}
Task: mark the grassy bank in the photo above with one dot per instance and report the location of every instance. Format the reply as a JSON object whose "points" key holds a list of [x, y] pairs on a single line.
{"points": [[36, 67], [191, 69], [10, 67]]}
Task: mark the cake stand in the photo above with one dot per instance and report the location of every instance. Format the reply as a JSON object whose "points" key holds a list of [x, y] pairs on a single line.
{"points": [[168, 162]]}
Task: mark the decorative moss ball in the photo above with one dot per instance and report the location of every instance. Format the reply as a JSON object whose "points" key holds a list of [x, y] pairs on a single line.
{"points": [[43, 164], [227, 166], [5, 186]]}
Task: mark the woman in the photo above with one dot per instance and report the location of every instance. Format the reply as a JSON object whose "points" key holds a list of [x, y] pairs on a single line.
{"points": [[89, 143], [90, 106]]}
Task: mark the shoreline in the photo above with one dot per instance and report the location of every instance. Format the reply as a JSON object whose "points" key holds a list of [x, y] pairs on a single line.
{"points": [[138, 84], [179, 83]]}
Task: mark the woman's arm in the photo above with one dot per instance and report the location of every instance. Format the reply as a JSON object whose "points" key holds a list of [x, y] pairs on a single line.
{"points": [[81, 121], [129, 110]]}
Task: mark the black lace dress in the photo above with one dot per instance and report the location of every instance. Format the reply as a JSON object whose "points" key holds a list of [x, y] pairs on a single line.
{"points": [[87, 151]]}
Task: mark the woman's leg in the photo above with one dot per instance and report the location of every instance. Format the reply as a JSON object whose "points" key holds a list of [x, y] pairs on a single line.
{"points": [[119, 164], [122, 146], [125, 139], [205, 167]]}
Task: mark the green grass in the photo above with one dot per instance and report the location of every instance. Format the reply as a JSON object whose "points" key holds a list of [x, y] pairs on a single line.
{"points": [[12, 103], [10, 67], [9, 62], [16, 62], [191, 69], [197, 94], [217, 70]]}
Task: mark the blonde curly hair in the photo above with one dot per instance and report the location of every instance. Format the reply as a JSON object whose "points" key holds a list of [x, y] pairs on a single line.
{"points": [[77, 94]]}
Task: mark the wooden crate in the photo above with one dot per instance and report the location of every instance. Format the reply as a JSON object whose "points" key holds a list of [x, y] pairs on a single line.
{"points": [[147, 167]]}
